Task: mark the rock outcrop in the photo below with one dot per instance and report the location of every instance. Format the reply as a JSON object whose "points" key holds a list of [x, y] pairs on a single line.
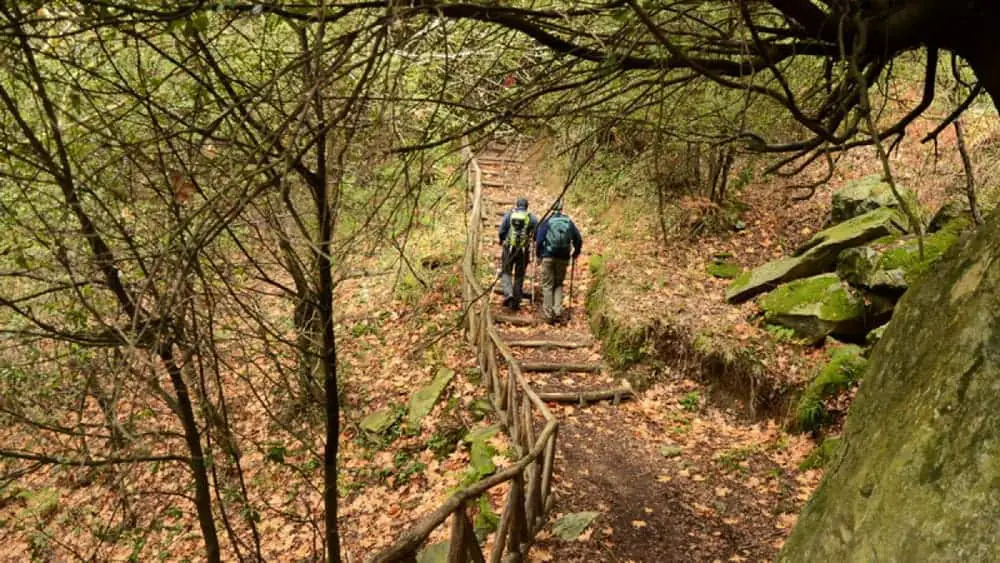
{"points": [[861, 196], [916, 477], [816, 307], [818, 255], [893, 264]]}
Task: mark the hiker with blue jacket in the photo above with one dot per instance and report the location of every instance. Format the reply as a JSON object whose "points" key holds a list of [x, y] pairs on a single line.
{"points": [[556, 241], [516, 231]]}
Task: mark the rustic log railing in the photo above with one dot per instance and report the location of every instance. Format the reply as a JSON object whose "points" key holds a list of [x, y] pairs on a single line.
{"points": [[518, 408]]}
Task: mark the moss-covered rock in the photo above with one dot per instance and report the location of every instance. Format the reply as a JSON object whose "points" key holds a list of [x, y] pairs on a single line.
{"points": [[860, 268], [916, 478], [766, 277], [817, 256], [905, 257], [724, 270], [816, 307], [424, 399], [866, 194], [862, 229], [875, 335], [846, 366], [952, 210], [380, 420], [893, 263]]}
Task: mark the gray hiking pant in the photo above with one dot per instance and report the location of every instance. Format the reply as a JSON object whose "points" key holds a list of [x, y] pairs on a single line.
{"points": [[553, 275], [513, 268]]}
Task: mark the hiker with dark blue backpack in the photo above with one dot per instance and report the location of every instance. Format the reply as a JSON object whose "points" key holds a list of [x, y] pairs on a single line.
{"points": [[516, 231], [557, 240]]}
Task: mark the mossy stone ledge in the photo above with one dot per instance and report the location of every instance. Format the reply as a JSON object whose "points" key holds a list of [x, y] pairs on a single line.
{"points": [[816, 307]]}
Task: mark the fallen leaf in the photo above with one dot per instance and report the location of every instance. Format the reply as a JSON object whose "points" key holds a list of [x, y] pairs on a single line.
{"points": [[571, 526]]}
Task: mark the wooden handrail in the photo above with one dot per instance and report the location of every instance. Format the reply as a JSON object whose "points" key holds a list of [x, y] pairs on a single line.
{"points": [[516, 405]]}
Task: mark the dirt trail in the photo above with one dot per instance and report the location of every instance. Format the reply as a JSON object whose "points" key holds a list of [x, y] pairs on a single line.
{"points": [[673, 478]]}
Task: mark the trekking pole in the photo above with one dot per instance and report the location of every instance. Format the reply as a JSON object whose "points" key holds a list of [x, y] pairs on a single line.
{"points": [[572, 270], [534, 275]]}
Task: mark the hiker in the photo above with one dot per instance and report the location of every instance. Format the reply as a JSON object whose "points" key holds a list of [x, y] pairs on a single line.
{"points": [[516, 231], [557, 240]]}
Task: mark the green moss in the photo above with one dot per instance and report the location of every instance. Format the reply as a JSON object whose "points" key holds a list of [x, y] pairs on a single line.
{"points": [[823, 296], [907, 256], [724, 270], [487, 521], [845, 367], [624, 346], [623, 343], [822, 455], [702, 343], [889, 218], [596, 265], [741, 280]]}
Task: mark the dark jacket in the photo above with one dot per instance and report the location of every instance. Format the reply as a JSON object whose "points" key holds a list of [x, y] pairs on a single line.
{"points": [[505, 225], [542, 249]]}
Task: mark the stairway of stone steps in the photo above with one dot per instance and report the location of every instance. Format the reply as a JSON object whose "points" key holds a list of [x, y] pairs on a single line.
{"points": [[558, 359]]}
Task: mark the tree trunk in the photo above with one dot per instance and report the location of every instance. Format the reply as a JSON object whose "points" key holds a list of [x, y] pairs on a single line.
{"points": [[202, 492], [327, 356]]}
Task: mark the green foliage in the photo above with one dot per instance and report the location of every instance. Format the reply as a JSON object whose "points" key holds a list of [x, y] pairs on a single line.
{"points": [[275, 452], [736, 458], [406, 467], [846, 366], [691, 402], [782, 333], [40, 504], [480, 462], [487, 520], [445, 440]]}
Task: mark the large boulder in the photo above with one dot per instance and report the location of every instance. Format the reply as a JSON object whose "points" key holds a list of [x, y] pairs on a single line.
{"points": [[916, 477], [816, 307], [861, 267], [818, 255], [894, 263], [827, 244], [866, 194]]}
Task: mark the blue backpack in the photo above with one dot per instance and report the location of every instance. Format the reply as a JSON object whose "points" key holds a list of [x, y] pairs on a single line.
{"points": [[559, 237]]}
